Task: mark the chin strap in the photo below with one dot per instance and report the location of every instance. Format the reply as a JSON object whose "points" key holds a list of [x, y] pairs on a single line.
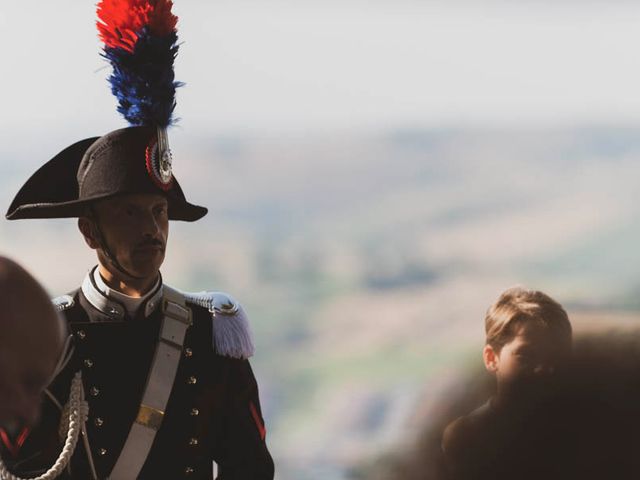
{"points": [[105, 247], [78, 414]]}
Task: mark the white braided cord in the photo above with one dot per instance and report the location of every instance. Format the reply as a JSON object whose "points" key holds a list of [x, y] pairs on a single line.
{"points": [[78, 414]]}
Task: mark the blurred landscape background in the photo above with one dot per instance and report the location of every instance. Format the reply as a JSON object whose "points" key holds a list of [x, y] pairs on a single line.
{"points": [[376, 173]]}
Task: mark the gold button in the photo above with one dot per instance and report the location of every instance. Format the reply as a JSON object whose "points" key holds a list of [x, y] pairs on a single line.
{"points": [[188, 470], [192, 380], [98, 422], [195, 412], [193, 442], [188, 352], [81, 334], [88, 363], [102, 452], [94, 391]]}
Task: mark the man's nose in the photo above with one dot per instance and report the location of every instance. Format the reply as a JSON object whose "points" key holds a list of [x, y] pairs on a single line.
{"points": [[150, 226]]}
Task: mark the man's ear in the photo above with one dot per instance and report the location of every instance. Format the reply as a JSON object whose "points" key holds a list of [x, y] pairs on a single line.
{"points": [[490, 357], [86, 227]]}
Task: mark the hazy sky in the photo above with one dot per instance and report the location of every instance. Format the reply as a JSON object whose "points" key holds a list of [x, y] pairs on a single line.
{"points": [[274, 66]]}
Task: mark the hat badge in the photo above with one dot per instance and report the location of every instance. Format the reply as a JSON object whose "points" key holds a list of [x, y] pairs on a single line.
{"points": [[159, 160]]}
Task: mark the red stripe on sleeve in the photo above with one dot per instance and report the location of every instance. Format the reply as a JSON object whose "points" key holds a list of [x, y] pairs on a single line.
{"points": [[256, 418]]}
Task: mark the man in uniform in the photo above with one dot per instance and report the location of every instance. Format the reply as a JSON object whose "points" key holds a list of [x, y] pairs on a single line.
{"points": [[31, 342], [158, 385]]}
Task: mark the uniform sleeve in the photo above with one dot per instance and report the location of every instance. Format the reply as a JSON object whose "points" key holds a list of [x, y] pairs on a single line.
{"points": [[245, 455]]}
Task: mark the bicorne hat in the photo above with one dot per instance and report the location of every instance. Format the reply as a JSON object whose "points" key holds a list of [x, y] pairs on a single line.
{"points": [[122, 162], [140, 43]]}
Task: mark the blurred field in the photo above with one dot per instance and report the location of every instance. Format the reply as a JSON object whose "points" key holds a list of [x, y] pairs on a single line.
{"points": [[366, 262]]}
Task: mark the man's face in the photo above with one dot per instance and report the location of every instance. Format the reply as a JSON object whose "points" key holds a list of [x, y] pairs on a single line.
{"points": [[135, 228]]}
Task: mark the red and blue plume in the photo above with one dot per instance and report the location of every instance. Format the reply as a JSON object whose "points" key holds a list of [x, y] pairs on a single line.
{"points": [[140, 43]]}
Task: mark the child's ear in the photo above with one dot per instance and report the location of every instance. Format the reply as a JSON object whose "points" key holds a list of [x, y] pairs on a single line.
{"points": [[490, 358]]}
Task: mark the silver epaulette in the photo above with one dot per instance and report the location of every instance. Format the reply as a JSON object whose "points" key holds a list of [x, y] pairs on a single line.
{"points": [[63, 302], [232, 335]]}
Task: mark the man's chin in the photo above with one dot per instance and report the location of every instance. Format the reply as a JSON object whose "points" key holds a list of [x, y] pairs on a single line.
{"points": [[145, 273], [147, 260], [146, 269]]}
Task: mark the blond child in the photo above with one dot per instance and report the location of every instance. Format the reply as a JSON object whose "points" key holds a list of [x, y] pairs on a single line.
{"points": [[528, 338]]}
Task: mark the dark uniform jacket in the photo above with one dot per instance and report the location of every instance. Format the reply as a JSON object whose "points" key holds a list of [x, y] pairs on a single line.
{"points": [[213, 413]]}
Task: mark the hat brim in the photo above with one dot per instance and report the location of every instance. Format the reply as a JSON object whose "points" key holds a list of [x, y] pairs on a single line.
{"points": [[52, 191]]}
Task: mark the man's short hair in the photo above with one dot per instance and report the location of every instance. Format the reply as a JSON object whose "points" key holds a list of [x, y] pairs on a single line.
{"points": [[517, 306]]}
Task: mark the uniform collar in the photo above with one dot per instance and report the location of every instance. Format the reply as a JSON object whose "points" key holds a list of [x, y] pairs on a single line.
{"points": [[107, 301]]}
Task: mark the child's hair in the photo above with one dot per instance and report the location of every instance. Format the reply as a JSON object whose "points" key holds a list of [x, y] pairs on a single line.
{"points": [[517, 305]]}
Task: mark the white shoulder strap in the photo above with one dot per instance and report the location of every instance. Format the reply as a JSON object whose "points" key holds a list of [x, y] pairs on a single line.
{"points": [[176, 320]]}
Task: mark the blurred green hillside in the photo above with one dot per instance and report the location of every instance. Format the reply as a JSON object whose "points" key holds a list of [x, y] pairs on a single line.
{"points": [[366, 262]]}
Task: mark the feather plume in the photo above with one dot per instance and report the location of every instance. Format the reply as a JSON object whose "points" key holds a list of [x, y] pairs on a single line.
{"points": [[140, 42]]}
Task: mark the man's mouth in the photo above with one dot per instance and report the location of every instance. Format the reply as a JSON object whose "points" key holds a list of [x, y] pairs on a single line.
{"points": [[150, 247]]}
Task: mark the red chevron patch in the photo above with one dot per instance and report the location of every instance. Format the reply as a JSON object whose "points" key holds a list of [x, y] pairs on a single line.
{"points": [[14, 447]]}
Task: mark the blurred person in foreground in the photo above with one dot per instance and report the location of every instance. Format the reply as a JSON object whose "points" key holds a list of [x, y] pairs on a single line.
{"points": [[159, 385], [32, 335], [528, 338]]}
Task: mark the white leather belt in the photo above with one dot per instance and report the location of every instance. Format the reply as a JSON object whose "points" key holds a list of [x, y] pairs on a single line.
{"points": [[176, 320]]}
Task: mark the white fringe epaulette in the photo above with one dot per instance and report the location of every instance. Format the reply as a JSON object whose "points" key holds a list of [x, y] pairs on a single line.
{"points": [[63, 302], [232, 335]]}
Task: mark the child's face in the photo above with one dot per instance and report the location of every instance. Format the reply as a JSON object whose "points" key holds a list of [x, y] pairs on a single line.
{"points": [[529, 359]]}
